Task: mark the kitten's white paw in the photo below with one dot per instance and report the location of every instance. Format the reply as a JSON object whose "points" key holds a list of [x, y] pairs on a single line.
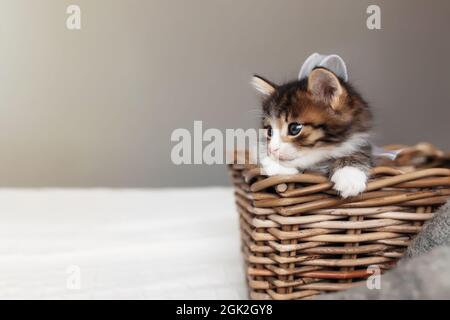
{"points": [[349, 181], [273, 168]]}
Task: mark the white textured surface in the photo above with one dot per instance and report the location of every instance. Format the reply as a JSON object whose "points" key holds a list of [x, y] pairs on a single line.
{"points": [[137, 244]]}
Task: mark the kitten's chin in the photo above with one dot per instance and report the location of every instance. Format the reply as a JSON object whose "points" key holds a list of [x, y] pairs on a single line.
{"points": [[283, 158], [286, 162], [289, 163], [287, 159]]}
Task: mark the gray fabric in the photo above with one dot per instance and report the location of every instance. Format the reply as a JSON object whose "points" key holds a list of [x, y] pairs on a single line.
{"points": [[423, 273], [424, 277], [436, 232]]}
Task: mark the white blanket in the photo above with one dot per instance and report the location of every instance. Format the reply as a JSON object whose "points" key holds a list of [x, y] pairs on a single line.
{"points": [[128, 244]]}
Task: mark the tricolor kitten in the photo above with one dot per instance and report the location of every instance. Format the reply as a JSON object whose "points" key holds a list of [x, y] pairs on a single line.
{"points": [[318, 123]]}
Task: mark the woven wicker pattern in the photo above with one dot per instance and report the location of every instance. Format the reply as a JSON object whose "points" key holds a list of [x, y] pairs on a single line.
{"points": [[300, 239]]}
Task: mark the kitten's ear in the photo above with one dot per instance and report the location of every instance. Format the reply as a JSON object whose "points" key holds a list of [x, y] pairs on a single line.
{"points": [[325, 87], [263, 86]]}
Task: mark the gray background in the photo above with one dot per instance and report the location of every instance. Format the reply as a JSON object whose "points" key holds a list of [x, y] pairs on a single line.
{"points": [[97, 107]]}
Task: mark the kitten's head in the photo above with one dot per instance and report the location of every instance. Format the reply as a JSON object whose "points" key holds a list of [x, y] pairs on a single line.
{"points": [[320, 111]]}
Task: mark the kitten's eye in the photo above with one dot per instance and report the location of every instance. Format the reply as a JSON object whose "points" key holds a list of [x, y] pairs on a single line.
{"points": [[294, 128], [269, 131]]}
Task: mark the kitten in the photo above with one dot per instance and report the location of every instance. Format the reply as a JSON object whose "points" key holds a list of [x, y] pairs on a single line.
{"points": [[318, 123]]}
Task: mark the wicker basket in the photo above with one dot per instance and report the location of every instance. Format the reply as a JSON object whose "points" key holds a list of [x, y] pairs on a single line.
{"points": [[300, 239]]}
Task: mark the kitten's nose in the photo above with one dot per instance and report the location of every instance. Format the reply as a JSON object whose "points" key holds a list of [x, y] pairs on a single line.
{"points": [[274, 149]]}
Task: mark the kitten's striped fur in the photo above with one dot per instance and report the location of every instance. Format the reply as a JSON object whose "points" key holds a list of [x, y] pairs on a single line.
{"points": [[334, 120]]}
